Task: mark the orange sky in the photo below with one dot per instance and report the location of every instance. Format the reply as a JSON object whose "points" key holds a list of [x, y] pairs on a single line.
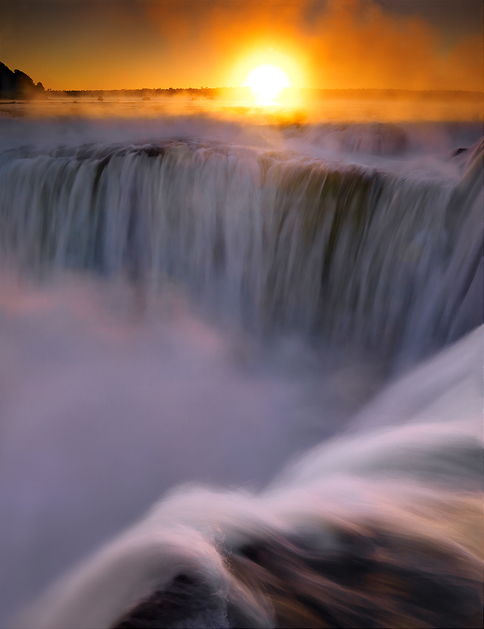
{"points": [[111, 44]]}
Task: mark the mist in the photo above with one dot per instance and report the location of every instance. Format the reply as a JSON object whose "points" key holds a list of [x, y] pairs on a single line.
{"points": [[103, 412], [104, 409]]}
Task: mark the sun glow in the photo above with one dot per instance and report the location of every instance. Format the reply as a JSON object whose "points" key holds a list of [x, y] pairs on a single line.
{"points": [[266, 82]]}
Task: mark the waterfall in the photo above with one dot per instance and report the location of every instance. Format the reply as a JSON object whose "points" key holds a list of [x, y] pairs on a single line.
{"points": [[284, 290], [275, 240]]}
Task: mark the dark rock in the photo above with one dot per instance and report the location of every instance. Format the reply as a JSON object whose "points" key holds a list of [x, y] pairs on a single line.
{"points": [[17, 84]]}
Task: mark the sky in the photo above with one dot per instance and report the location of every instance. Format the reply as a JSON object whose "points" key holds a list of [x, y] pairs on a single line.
{"points": [[132, 44]]}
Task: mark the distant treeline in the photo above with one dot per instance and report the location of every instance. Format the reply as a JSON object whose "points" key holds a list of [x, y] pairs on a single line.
{"points": [[203, 92], [235, 93], [192, 93], [17, 84]]}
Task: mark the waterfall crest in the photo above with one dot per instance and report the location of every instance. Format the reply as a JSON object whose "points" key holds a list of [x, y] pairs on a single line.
{"points": [[277, 241]]}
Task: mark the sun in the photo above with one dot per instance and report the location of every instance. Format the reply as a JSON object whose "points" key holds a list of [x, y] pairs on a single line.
{"points": [[266, 82]]}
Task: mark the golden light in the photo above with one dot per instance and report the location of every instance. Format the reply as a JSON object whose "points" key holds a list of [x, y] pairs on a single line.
{"points": [[266, 82]]}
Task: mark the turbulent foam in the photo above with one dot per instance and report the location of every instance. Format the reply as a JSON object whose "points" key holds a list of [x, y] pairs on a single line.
{"points": [[375, 139], [383, 529]]}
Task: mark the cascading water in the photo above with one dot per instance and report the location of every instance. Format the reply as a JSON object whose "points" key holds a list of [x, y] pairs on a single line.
{"points": [[350, 267], [277, 241]]}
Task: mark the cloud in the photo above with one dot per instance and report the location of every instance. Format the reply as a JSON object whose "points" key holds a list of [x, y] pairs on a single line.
{"points": [[336, 44]]}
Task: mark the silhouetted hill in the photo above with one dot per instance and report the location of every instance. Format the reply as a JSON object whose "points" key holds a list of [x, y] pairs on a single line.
{"points": [[17, 84]]}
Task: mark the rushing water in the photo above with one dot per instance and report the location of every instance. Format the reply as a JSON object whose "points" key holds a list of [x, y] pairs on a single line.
{"points": [[194, 309], [276, 240]]}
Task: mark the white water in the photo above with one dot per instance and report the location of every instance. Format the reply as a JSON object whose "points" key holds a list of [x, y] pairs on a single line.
{"points": [[200, 310], [423, 478], [272, 240]]}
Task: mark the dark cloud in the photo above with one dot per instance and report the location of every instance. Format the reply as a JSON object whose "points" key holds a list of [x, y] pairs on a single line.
{"points": [[452, 18]]}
